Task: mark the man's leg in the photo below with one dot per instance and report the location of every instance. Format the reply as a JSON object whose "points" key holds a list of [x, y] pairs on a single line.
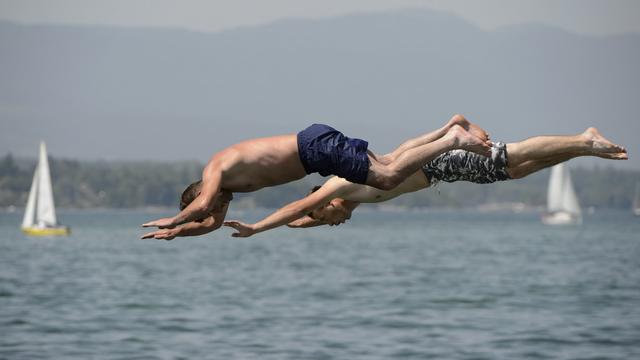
{"points": [[433, 136], [386, 176], [529, 167], [538, 152]]}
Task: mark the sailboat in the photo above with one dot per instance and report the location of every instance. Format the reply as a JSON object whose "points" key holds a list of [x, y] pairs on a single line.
{"points": [[636, 201], [40, 214], [562, 203]]}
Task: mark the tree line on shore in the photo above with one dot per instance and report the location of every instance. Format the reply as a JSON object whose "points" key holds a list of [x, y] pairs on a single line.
{"points": [[135, 184]]}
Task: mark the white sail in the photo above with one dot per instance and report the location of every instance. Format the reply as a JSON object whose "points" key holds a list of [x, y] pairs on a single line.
{"points": [[556, 185], [46, 212], [30, 211], [569, 199], [562, 202]]}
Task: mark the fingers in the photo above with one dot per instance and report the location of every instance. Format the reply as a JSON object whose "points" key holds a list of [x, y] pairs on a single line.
{"points": [[148, 235], [238, 226], [240, 235], [234, 224], [165, 223], [158, 235], [153, 234], [154, 223]]}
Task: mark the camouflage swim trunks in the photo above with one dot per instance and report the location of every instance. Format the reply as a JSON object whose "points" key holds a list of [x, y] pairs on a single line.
{"points": [[462, 165]]}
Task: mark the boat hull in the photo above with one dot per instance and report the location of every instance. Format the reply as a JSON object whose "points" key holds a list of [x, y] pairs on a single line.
{"points": [[561, 218], [48, 231]]}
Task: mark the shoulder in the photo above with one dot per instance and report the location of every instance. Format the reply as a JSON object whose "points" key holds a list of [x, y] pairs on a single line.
{"points": [[224, 160], [339, 186], [327, 191]]}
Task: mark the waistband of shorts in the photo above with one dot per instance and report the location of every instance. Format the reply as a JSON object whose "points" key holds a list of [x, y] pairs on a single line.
{"points": [[302, 153]]}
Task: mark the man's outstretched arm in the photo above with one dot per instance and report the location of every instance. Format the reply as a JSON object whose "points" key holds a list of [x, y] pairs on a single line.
{"points": [[295, 210], [201, 206]]}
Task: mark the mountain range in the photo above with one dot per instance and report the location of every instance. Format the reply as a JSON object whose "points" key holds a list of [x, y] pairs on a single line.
{"points": [[99, 92]]}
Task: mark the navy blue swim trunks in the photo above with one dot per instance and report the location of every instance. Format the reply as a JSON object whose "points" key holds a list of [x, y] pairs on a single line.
{"points": [[461, 165], [327, 151]]}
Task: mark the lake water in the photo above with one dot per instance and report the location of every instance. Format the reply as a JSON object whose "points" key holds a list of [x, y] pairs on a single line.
{"points": [[389, 285]]}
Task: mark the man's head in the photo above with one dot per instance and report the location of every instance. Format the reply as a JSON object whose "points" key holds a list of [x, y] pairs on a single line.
{"points": [[189, 194], [192, 191], [332, 213]]}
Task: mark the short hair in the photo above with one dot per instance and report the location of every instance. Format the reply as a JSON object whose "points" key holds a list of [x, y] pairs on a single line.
{"points": [[189, 194]]}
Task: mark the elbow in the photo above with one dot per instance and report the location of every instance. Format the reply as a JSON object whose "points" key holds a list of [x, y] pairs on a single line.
{"points": [[203, 207], [211, 224]]}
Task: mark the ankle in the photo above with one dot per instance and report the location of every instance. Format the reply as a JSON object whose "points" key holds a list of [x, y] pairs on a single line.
{"points": [[584, 140], [450, 140]]}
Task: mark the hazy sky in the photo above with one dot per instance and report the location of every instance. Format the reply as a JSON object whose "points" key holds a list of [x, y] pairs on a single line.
{"points": [[582, 16], [205, 80]]}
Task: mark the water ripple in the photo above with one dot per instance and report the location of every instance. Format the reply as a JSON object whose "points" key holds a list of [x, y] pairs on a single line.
{"points": [[407, 287]]}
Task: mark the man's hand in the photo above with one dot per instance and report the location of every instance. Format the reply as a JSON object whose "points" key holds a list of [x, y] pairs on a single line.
{"points": [[164, 223], [243, 230], [164, 234]]}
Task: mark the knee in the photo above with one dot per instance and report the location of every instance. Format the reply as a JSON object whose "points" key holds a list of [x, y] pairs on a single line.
{"points": [[386, 159], [515, 174]]}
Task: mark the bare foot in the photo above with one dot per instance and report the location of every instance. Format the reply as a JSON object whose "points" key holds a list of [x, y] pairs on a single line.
{"points": [[469, 126], [602, 147], [463, 139]]}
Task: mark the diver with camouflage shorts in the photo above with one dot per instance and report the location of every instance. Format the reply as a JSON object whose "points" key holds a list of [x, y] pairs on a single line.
{"points": [[334, 202]]}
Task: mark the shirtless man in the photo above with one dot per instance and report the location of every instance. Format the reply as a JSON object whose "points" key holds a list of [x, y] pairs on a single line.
{"points": [[254, 164], [333, 202]]}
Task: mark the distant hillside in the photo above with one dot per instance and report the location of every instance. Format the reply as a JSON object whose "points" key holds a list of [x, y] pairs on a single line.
{"points": [[83, 184], [97, 92]]}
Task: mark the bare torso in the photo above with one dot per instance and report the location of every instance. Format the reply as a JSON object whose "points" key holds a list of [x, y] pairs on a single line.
{"points": [[367, 194], [257, 163]]}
